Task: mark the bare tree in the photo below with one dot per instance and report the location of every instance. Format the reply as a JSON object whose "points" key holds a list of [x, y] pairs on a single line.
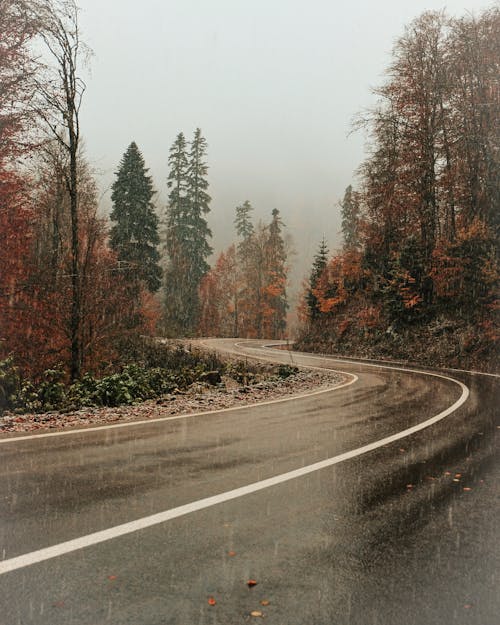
{"points": [[60, 91]]}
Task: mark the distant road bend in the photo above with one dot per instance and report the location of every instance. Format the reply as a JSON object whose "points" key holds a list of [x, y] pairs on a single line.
{"points": [[375, 502]]}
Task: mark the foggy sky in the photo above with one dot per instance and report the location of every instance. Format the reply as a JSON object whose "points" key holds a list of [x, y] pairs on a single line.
{"points": [[273, 84]]}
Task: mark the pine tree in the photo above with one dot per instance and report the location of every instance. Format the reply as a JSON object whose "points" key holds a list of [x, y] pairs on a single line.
{"points": [[134, 236], [245, 258], [275, 301], [198, 200], [320, 261], [350, 219], [175, 314], [187, 233], [242, 222]]}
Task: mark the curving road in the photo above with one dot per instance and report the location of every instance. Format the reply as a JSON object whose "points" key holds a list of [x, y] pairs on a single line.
{"points": [[373, 503]]}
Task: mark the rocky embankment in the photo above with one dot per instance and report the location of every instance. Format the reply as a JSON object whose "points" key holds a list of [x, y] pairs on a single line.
{"points": [[198, 398]]}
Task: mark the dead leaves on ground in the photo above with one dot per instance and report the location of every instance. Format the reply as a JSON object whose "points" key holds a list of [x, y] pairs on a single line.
{"points": [[251, 583]]}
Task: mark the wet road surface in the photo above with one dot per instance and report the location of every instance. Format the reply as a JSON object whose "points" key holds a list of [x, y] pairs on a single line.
{"points": [[406, 533]]}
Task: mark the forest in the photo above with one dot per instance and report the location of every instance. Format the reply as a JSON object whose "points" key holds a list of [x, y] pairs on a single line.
{"points": [[416, 278], [78, 290]]}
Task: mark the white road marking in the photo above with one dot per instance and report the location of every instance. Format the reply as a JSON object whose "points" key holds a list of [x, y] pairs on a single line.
{"points": [[133, 526], [21, 437]]}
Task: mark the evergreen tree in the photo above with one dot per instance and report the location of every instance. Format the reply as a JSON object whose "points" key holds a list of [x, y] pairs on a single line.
{"points": [[320, 261], [198, 205], [134, 235], [350, 219], [276, 274], [242, 222], [245, 257], [187, 233], [176, 236]]}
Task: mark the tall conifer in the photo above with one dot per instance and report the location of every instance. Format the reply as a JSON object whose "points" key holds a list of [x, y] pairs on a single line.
{"points": [[134, 235], [276, 303], [320, 261], [350, 212], [187, 233]]}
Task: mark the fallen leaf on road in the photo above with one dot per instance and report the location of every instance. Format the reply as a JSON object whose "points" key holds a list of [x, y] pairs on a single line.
{"points": [[467, 488], [251, 583], [264, 602], [458, 475], [211, 601], [111, 577], [467, 606], [447, 473], [231, 553], [256, 613]]}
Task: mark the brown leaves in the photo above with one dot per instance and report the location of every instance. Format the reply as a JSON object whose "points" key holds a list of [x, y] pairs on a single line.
{"points": [[251, 583], [257, 613], [58, 604], [211, 601]]}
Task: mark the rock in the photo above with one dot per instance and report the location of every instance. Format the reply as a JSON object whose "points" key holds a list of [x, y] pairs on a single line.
{"points": [[212, 377]]}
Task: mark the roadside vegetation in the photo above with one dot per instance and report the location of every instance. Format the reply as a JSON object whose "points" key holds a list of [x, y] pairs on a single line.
{"points": [[152, 371]]}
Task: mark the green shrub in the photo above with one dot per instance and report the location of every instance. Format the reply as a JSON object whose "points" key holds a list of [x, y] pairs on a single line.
{"points": [[285, 371], [10, 383]]}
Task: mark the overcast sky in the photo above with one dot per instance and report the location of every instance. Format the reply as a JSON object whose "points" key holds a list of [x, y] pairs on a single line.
{"points": [[273, 84]]}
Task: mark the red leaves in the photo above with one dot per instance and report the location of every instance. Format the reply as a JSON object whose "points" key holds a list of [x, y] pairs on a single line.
{"points": [[211, 601], [251, 583]]}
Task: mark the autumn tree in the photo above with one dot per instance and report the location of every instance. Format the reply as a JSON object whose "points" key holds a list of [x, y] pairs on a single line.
{"points": [[60, 90], [17, 65], [134, 235], [427, 209], [18, 27], [261, 275], [218, 296]]}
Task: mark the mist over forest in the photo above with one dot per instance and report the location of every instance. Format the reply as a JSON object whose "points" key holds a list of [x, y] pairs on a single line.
{"points": [[410, 258]]}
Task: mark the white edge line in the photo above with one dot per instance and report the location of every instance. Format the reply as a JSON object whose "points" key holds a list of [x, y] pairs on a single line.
{"points": [[21, 437], [95, 538], [410, 369], [374, 362]]}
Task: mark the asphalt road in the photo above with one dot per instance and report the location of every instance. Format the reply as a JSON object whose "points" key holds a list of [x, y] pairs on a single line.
{"points": [[403, 533]]}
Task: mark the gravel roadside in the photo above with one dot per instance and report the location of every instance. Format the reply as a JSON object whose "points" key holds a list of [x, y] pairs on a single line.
{"points": [[198, 398]]}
